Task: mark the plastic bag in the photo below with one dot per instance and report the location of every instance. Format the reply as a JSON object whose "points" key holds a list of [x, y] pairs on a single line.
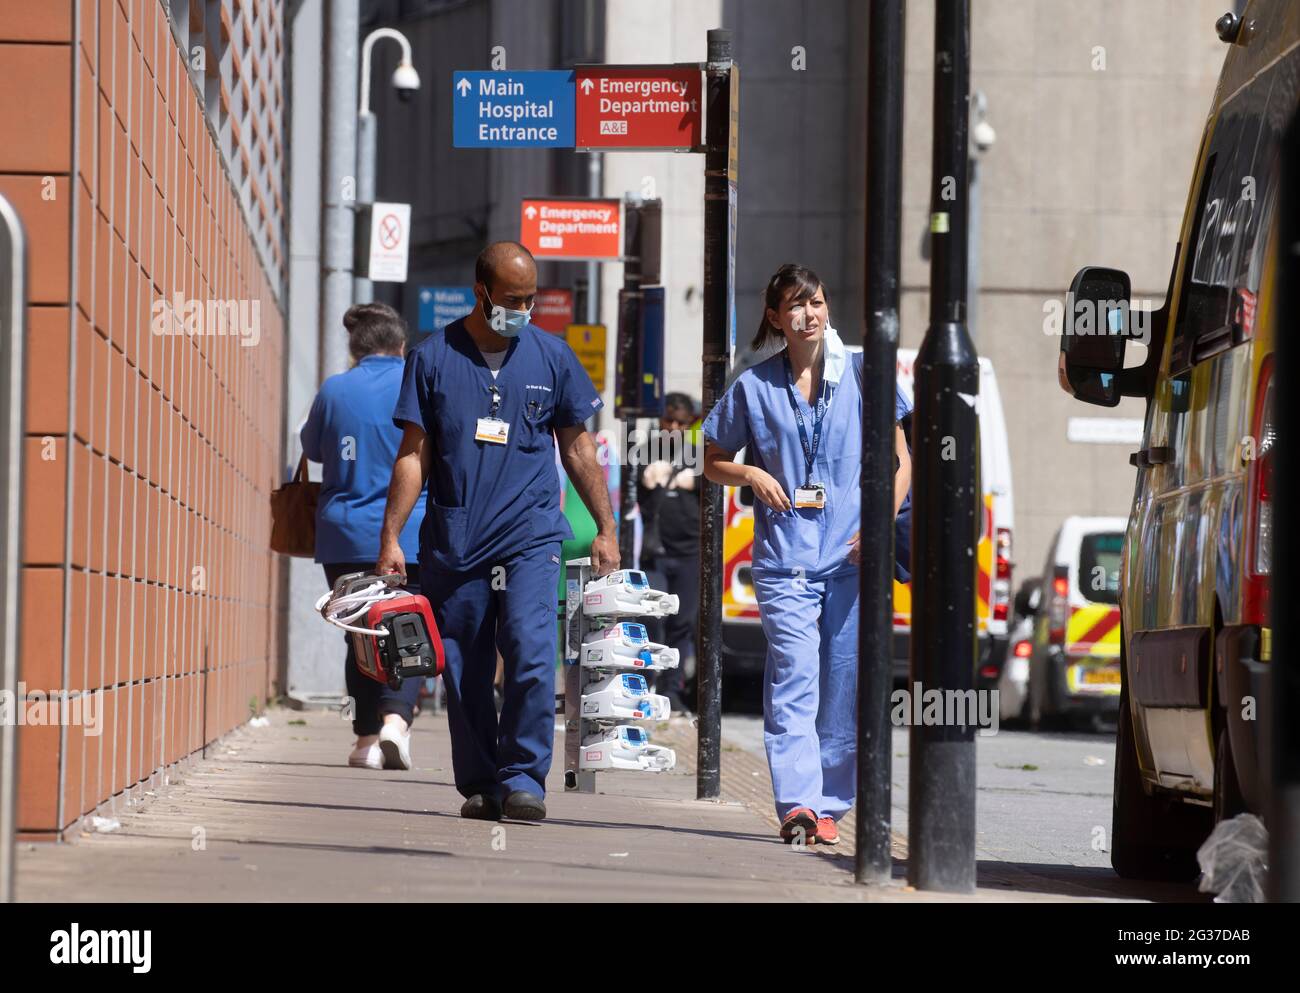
{"points": [[1234, 860]]}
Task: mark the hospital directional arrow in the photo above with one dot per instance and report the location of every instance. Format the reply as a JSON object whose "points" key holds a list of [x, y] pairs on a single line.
{"points": [[463, 86], [530, 212]]}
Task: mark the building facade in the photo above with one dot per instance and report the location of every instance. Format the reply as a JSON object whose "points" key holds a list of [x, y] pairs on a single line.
{"points": [[142, 147]]}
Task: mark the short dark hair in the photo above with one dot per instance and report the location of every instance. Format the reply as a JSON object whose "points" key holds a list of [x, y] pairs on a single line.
{"points": [[679, 401], [802, 280], [496, 255], [374, 329]]}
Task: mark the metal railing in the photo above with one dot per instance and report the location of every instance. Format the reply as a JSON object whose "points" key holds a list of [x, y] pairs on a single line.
{"points": [[13, 334]]}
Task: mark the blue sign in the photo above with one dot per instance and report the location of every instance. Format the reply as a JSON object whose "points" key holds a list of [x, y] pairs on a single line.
{"points": [[531, 109], [652, 352], [440, 305]]}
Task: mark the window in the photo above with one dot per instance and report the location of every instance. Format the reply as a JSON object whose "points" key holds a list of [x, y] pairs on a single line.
{"points": [[1099, 560], [1234, 209]]}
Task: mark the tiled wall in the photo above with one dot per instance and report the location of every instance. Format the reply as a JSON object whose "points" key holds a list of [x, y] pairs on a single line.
{"points": [[149, 457]]}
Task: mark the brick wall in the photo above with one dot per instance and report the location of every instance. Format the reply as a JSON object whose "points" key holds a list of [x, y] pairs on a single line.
{"points": [[149, 458]]}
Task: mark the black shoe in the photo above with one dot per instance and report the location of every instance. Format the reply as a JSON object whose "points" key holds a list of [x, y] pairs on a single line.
{"points": [[521, 805], [481, 807]]}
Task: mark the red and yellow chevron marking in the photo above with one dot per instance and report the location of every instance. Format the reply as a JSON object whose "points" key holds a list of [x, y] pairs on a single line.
{"points": [[1093, 630], [737, 550], [983, 579]]}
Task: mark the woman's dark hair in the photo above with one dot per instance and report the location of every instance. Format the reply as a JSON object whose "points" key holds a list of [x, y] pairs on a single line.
{"points": [[805, 284], [374, 329]]}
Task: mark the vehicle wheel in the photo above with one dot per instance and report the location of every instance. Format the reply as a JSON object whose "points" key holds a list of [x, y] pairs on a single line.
{"points": [[1152, 837], [1033, 709], [1228, 801], [1042, 715]]}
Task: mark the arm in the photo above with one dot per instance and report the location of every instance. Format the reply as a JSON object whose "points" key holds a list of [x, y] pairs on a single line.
{"points": [[409, 472], [578, 455], [721, 467], [902, 482], [310, 435], [903, 477]]}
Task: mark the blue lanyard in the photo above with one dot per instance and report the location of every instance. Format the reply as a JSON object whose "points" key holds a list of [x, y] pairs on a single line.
{"points": [[819, 415]]}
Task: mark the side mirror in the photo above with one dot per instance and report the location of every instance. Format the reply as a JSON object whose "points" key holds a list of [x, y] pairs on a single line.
{"points": [[1095, 328], [1027, 598]]}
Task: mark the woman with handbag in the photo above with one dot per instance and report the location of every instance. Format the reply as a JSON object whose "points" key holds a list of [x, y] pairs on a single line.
{"points": [[350, 432]]}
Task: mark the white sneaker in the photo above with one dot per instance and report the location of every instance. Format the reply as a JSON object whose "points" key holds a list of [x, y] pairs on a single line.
{"points": [[367, 754], [395, 743]]}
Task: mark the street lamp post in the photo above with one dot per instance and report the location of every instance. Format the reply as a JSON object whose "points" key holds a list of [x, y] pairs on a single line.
{"points": [[406, 81]]}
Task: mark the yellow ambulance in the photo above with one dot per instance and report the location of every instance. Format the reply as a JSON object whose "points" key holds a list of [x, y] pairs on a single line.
{"points": [[1196, 561]]}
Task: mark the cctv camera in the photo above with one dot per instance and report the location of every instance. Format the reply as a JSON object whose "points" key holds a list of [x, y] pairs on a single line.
{"points": [[983, 135], [406, 80]]}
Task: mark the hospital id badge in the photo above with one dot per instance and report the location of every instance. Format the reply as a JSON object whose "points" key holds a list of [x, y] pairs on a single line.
{"points": [[813, 496], [492, 430]]}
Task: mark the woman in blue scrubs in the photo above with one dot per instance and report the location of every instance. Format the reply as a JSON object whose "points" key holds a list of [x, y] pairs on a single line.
{"points": [[799, 414], [350, 431]]}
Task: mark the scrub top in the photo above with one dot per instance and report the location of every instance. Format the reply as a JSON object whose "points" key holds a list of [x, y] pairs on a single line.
{"points": [[350, 432], [489, 501], [757, 413]]}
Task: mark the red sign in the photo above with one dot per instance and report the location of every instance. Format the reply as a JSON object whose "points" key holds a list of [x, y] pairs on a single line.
{"points": [[571, 229], [638, 107], [553, 309]]}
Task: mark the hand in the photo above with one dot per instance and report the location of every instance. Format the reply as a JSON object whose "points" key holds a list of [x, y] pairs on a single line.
{"points": [[604, 554], [391, 560], [767, 489], [656, 474], [855, 548], [684, 480]]}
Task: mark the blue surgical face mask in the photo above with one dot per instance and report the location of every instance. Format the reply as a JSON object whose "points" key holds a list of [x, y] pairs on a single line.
{"points": [[507, 323]]}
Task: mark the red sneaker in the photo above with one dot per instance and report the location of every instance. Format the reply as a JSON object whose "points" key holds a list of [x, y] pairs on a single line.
{"points": [[827, 832], [800, 823]]}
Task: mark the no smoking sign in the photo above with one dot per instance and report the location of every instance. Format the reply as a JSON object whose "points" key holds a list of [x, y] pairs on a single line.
{"points": [[388, 228]]}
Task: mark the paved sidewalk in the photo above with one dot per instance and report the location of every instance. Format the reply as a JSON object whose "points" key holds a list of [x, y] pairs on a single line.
{"points": [[274, 814]]}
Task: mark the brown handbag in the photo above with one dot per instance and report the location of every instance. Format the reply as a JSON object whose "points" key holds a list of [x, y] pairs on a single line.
{"points": [[293, 515]]}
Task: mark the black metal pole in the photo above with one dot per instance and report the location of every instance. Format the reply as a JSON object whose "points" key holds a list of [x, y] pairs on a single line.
{"points": [[879, 373], [716, 359], [629, 338], [941, 807], [1284, 815]]}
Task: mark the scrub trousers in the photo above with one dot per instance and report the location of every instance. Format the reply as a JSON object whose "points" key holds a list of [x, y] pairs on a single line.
{"points": [[810, 689], [679, 574], [508, 605], [372, 699]]}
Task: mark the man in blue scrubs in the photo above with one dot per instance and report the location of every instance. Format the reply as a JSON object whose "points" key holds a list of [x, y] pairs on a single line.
{"points": [[482, 406]]}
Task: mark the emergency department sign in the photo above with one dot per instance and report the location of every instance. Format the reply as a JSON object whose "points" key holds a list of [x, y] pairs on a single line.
{"points": [[572, 229], [553, 309], [639, 107]]}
